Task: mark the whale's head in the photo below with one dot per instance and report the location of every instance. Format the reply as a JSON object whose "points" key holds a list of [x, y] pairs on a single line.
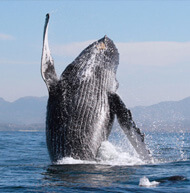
{"points": [[98, 61], [106, 48], [102, 53]]}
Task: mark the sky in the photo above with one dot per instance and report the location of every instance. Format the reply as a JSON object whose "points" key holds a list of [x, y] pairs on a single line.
{"points": [[153, 39]]}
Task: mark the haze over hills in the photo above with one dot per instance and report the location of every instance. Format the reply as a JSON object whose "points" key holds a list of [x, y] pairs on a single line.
{"points": [[29, 113], [169, 116], [26, 112]]}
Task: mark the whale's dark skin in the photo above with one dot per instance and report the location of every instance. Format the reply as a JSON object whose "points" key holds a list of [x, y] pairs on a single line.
{"points": [[83, 103]]}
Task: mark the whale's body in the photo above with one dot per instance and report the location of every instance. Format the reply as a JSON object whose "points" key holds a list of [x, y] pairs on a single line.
{"points": [[79, 117], [83, 103]]}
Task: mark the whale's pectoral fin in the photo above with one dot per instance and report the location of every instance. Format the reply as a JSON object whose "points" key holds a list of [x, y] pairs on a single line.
{"points": [[47, 63], [126, 122]]}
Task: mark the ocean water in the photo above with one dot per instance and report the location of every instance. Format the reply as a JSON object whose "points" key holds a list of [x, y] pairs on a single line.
{"points": [[25, 165]]}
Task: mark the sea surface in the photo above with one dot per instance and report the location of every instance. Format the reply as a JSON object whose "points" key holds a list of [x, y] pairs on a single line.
{"points": [[25, 165]]}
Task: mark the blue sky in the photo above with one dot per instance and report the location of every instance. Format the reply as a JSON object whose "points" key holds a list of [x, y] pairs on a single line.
{"points": [[153, 38]]}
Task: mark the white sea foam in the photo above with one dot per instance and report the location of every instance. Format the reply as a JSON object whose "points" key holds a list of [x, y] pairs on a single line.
{"points": [[70, 160], [113, 155], [108, 154], [144, 181]]}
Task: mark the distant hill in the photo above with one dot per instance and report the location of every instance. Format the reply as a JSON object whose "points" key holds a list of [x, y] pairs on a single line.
{"points": [[171, 115], [30, 112]]}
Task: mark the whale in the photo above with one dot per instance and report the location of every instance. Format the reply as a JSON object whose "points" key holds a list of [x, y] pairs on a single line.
{"points": [[83, 103]]}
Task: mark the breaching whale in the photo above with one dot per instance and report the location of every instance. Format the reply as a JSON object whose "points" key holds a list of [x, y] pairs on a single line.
{"points": [[83, 103]]}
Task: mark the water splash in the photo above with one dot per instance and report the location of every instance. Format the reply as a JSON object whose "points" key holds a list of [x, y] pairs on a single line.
{"points": [[116, 151], [168, 146], [181, 142], [165, 147], [108, 154], [144, 181], [70, 160], [114, 155]]}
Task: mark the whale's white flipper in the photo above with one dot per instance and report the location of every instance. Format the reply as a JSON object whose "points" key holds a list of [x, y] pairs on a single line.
{"points": [[47, 63], [129, 127]]}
